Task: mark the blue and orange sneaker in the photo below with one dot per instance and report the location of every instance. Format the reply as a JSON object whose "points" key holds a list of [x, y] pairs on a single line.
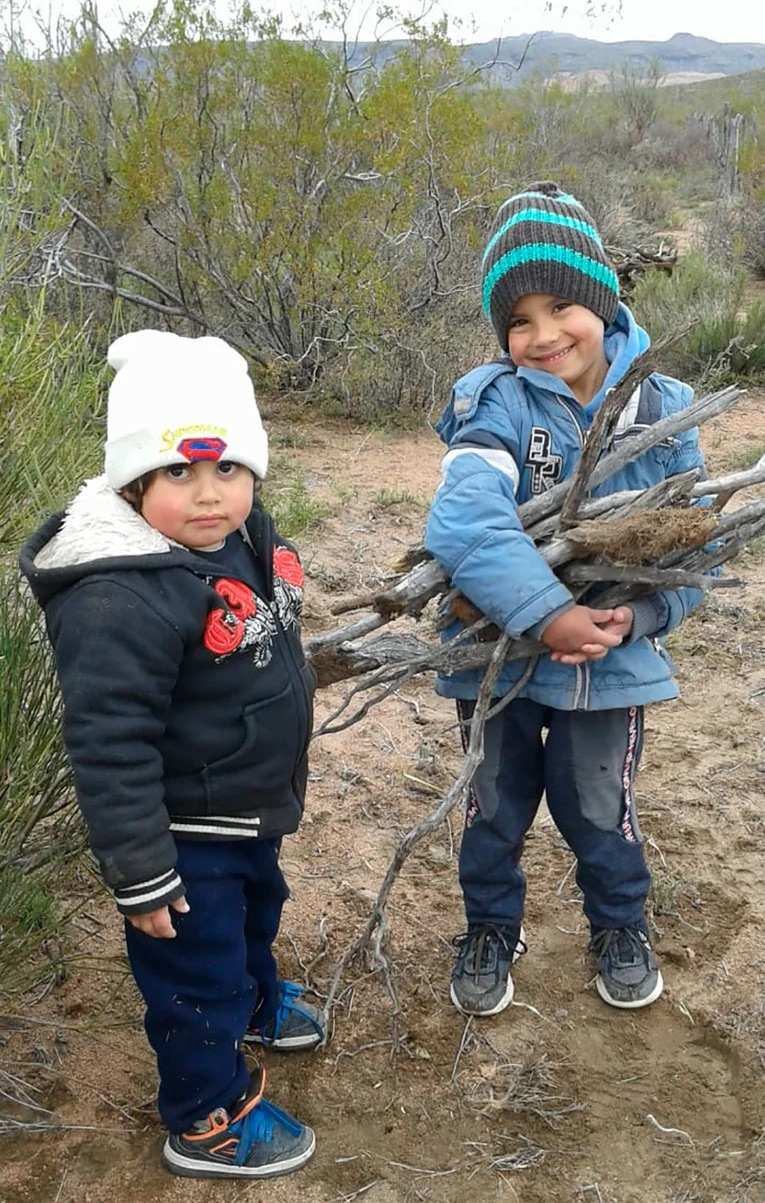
{"points": [[296, 1025], [255, 1140]]}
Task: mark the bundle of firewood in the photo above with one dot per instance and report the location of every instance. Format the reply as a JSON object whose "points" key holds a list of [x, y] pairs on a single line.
{"points": [[632, 262], [625, 544], [616, 542]]}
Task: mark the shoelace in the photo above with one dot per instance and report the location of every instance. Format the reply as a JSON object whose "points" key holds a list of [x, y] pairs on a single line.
{"points": [[483, 950], [624, 942], [289, 992], [258, 1126]]}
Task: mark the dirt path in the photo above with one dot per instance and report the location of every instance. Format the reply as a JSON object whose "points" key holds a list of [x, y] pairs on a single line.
{"points": [[551, 1100]]}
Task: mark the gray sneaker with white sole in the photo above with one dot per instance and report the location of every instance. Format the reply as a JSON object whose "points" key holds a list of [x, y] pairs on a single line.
{"points": [[628, 972], [481, 979]]}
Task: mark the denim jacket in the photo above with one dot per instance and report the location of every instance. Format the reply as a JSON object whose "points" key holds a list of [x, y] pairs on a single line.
{"points": [[511, 434]]}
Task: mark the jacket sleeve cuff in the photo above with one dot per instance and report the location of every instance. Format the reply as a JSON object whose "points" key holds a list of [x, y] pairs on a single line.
{"points": [[649, 616], [537, 630], [542, 606], [149, 895]]}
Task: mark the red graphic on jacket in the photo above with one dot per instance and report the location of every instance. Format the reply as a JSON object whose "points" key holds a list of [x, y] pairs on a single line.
{"points": [[288, 567], [224, 632], [237, 596], [288, 587], [246, 622]]}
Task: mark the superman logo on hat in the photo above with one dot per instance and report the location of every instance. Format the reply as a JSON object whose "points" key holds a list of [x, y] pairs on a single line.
{"points": [[201, 448]]}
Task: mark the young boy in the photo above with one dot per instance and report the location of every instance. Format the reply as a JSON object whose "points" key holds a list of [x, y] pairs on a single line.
{"points": [[514, 428], [173, 609]]}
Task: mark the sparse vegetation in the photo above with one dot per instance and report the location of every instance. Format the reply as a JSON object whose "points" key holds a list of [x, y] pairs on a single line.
{"points": [[335, 236], [293, 507], [389, 498], [726, 343]]}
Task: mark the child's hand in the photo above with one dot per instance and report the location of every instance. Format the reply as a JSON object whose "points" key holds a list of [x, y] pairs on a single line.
{"points": [[621, 623], [158, 923], [580, 634]]}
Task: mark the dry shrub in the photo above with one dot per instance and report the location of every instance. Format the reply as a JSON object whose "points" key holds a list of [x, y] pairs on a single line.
{"points": [[526, 1087], [745, 1021], [643, 538]]}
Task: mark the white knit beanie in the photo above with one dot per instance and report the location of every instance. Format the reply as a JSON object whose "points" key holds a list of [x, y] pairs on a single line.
{"points": [[176, 400]]}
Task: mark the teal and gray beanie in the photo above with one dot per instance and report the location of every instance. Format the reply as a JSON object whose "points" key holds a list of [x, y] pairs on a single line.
{"points": [[544, 240]]}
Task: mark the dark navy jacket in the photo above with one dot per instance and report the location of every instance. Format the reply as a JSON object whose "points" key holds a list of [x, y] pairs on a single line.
{"points": [[187, 698]]}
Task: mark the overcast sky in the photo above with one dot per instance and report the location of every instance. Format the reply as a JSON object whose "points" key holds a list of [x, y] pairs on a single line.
{"points": [[723, 20], [736, 20]]}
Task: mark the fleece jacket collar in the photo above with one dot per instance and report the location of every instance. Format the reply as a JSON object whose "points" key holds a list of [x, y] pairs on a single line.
{"points": [[101, 532]]}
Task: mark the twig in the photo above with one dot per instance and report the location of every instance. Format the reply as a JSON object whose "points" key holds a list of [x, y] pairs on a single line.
{"points": [[565, 878], [418, 1169], [650, 1119], [363, 1048], [472, 759], [426, 785], [466, 1034], [701, 411], [357, 1193], [601, 432], [658, 578], [336, 656]]}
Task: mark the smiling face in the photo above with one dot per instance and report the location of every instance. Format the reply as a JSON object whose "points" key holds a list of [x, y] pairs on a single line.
{"points": [[554, 335], [198, 504]]}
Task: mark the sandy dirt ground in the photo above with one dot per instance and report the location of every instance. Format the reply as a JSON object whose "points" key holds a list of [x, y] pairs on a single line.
{"points": [[559, 1098]]}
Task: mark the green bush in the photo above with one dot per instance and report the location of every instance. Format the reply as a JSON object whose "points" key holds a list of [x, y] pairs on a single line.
{"points": [[39, 827], [724, 343], [28, 918], [653, 196], [293, 508], [732, 347], [52, 434], [35, 783]]}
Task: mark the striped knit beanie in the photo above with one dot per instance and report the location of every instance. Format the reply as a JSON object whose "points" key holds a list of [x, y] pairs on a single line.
{"points": [[544, 240]]}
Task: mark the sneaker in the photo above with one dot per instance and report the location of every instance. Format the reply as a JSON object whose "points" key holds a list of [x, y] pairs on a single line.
{"points": [[628, 973], [257, 1140], [296, 1025], [481, 982]]}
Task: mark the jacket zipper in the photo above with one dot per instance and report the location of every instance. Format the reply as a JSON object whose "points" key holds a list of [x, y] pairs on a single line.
{"points": [[298, 671], [284, 642], [582, 687], [574, 419], [303, 687], [582, 672]]}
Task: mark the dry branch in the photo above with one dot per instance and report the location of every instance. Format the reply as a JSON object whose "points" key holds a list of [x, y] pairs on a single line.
{"points": [[602, 430], [413, 590], [473, 758]]}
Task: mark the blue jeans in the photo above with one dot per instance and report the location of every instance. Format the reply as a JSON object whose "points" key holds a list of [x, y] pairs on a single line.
{"points": [[202, 988], [586, 768]]}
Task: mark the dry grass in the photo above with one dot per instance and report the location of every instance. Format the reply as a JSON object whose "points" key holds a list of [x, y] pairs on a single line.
{"points": [[644, 537], [527, 1087], [746, 1021]]}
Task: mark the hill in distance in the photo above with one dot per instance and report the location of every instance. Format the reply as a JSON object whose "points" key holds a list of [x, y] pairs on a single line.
{"points": [[684, 57]]}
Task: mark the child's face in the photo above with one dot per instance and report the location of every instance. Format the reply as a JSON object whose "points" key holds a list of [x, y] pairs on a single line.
{"points": [[198, 504], [554, 335]]}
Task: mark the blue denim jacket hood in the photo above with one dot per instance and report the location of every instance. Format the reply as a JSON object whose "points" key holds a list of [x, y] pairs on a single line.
{"points": [[511, 434]]}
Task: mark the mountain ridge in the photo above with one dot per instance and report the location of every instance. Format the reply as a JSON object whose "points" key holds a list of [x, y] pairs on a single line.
{"points": [[551, 53]]}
